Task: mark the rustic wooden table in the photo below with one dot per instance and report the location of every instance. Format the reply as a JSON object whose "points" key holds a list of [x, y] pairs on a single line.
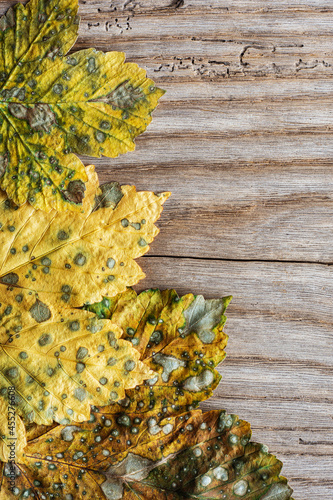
{"points": [[243, 140]]}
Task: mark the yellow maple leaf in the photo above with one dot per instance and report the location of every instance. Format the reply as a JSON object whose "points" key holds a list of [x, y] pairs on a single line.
{"points": [[78, 259], [55, 362], [53, 106]]}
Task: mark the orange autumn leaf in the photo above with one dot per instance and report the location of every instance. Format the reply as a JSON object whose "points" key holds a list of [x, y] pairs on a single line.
{"points": [[193, 455]]}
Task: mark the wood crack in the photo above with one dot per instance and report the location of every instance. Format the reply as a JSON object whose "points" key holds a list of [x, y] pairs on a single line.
{"points": [[223, 259]]}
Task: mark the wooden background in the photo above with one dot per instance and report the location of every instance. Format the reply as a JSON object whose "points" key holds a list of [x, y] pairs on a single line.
{"points": [[243, 139]]}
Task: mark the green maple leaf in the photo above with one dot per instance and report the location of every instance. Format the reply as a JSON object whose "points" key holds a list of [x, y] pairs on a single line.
{"points": [[52, 106]]}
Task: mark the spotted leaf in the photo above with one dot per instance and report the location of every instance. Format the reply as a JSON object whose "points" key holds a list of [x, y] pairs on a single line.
{"points": [[183, 357], [186, 382], [55, 362], [78, 259], [53, 106], [190, 456]]}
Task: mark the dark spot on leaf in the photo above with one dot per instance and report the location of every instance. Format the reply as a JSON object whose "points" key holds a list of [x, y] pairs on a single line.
{"points": [[105, 125], [124, 96], [3, 163], [72, 61], [44, 339], [80, 367], [8, 310], [124, 420], [110, 263], [142, 242], [41, 118], [129, 365], [112, 339], [91, 66], [80, 259], [40, 311], [80, 393], [9, 279], [58, 88], [75, 191], [110, 195], [156, 337], [12, 372], [100, 136], [21, 93], [74, 326], [62, 235], [81, 353], [42, 17], [18, 110]]}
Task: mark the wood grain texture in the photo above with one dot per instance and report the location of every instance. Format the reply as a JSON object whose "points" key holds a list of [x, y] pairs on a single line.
{"points": [[243, 139]]}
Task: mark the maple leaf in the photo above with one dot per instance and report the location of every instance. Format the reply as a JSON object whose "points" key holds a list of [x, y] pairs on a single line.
{"points": [[181, 339], [190, 456], [78, 259], [52, 106], [59, 361]]}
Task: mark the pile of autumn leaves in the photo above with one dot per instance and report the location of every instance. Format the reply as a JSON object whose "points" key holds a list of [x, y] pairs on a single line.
{"points": [[98, 385]]}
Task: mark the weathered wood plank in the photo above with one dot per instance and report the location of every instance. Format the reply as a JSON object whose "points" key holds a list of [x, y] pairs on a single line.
{"points": [[221, 43], [246, 89], [217, 21], [144, 6], [272, 417], [155, 149], [229, 118], [254, 211], [297, 291], [225, 41]]}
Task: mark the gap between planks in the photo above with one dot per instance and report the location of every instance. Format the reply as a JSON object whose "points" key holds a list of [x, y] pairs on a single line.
{"points": [[222, 259]]}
